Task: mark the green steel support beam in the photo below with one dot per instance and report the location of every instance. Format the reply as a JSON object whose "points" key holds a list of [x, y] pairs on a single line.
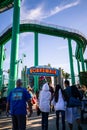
{"points": [[78, 65], [36, 59], [15, 45], [86, 66], [1, 65], [71, 62], [36, 49], [82, 59], [85, 62]]}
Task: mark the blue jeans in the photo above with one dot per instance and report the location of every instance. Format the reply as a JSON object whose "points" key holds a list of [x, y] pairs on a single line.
{"points": [[63, 119], [19, 122], [45, 120]]}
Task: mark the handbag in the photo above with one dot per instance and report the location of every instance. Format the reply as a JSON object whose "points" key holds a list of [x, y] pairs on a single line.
{"points": [[38, 111], [74, 102], [34, 100]]}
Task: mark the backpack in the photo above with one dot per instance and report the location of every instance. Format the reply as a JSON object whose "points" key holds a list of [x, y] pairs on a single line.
{"points": [[75, 98], [74, 102]]}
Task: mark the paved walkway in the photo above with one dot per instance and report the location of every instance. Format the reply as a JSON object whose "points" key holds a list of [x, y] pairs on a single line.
{"points": [[34, 123]]}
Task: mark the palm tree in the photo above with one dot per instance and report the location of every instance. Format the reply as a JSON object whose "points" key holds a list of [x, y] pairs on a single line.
{"points": [[65, 75]]}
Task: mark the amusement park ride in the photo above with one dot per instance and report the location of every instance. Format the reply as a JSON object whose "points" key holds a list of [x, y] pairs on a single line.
{"points": [[13, 31]]}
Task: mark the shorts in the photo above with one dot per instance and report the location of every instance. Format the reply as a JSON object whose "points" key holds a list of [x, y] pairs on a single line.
{"points": [[72, 114]]}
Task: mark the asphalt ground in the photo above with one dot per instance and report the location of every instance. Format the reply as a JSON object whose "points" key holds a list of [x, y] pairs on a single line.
{"points": [[34, 122]]}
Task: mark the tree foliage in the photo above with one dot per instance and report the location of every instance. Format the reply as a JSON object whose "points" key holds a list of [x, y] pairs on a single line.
{"points": [[65, 75]]}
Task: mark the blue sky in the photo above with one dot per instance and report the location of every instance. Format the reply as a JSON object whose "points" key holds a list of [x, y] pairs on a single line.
{"points": [[53, 50]]}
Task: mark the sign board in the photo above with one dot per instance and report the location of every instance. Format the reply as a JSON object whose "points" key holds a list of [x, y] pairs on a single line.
{"points": [[42, 71]]}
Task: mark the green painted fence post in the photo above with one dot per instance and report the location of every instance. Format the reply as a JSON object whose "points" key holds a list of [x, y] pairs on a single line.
{"points": [[82, 59], [36, 60], [71, 62], [1, 65], [14, 45]]}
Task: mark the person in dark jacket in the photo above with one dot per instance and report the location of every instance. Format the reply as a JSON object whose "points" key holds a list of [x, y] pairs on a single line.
{"points": [[72, 113]]}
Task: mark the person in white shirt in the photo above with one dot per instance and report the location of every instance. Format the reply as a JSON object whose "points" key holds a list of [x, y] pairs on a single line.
{"points": [[44, 105], [59, 106]]}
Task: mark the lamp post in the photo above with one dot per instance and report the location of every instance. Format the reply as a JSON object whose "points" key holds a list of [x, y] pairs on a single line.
{"points": [[2, 58], [20, 61], [5, 71], [3, 81]]}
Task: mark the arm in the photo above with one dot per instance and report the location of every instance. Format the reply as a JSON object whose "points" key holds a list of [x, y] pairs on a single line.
{"points": [[28, 99], [29, 103], [66, 97], [30, 107], [8, 103]]}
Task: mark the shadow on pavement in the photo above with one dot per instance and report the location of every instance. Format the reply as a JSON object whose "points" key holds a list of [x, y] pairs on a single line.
{"points": [[34, 123]]}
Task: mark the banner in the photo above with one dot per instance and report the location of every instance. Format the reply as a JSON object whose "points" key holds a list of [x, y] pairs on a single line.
{"points": [[43, 71]]}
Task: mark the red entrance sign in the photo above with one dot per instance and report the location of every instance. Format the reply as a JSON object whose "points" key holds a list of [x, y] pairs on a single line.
{"points": [[42, 71]]}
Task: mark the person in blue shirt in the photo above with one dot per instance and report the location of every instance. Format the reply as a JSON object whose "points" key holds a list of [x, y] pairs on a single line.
{"points": [[17, 100]]}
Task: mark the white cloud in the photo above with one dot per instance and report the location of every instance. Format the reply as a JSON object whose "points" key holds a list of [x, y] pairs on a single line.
{"points": [[65, 66], [36, 13], [39, 12], [62, 7], [62, 48], [24, 35]]}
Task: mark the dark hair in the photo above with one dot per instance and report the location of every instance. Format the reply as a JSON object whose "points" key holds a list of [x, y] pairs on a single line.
{"points": [[67, 82], [75, 92], [56, 96], [19, 81]]}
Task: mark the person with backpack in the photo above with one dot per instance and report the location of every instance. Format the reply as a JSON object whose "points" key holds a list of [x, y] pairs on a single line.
{"points": [[59, 105], [73, 98], [44, 105]]}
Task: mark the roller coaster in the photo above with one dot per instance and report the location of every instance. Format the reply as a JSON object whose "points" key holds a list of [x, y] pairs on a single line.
{"points": [[42, 28]]}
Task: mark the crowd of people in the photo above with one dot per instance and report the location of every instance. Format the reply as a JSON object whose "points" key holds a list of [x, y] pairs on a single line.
{"points": [[67, 102]]}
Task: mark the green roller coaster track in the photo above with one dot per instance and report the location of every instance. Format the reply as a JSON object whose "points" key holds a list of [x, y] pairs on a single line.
{"points": [[61, 32], [35, 26], [12, 31], [5, 5]]}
